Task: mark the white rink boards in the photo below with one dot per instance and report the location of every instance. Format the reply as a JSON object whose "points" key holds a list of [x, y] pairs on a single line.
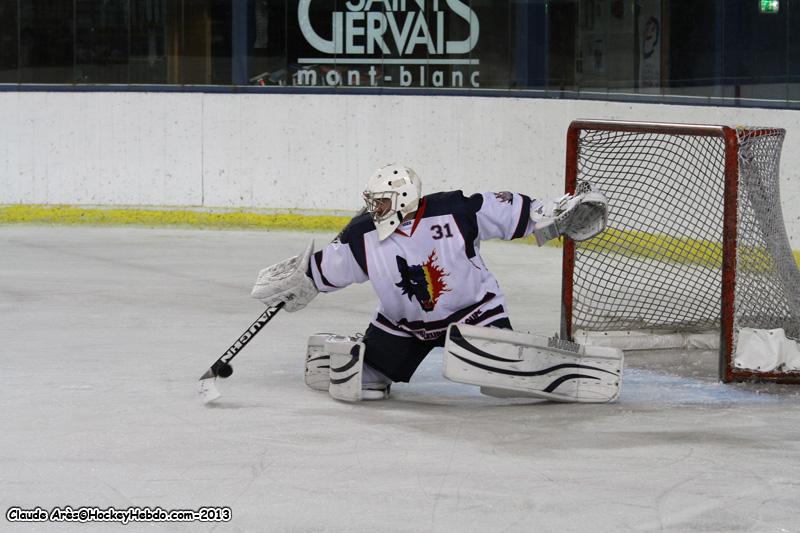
{"points": [[104, 333]]}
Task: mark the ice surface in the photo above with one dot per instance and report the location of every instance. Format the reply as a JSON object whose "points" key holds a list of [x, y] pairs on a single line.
{"points": [[105, 332]]}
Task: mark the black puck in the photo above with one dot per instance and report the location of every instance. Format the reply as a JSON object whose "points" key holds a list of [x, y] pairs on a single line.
{"points": [[225, 370]]}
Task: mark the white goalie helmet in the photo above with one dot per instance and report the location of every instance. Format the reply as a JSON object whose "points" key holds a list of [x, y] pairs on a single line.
{"points": [[402, 187]]}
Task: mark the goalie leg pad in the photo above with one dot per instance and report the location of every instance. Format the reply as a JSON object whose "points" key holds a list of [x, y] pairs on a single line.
{"points": [[350, 379], [511, 364], [318, 362]]}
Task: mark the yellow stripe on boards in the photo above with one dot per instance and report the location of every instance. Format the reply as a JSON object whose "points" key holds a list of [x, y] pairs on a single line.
{"points": [[639, 244], [682, 250], [68, 215]]}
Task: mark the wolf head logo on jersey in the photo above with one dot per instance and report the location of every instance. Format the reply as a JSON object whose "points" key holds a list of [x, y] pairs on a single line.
{"points": [[425, 282], [504, 197]]}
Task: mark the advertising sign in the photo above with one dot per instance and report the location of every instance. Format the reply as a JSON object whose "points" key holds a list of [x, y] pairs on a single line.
{"points": [[405, 43]]}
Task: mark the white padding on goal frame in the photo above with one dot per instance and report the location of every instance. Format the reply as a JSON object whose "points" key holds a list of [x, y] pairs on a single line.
{"points": [[649, 339], [766, 350]]}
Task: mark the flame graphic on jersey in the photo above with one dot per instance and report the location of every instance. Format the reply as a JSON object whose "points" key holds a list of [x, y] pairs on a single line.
{"points": [[435, 276], [424, 282]]}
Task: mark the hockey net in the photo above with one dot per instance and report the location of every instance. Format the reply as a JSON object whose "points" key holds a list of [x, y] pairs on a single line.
{"points": [[695, 252]]}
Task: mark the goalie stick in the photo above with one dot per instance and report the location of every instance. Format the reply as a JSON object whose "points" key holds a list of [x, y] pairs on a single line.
{"points": [[222, 368]]}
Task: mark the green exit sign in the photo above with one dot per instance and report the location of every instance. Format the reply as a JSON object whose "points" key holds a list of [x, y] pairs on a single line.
{"points": [[769, 6]]}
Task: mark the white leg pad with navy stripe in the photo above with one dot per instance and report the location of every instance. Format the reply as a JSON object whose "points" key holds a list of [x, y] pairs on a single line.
{"points": [[507, 363], [318, 362], [350, 379]]}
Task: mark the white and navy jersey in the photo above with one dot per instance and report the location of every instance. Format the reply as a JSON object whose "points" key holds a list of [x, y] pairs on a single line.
{"points": [[428, 273]]}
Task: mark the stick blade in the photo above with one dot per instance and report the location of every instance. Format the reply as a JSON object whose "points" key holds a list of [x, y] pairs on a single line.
{"points": [[209, 374], [208, 389]]}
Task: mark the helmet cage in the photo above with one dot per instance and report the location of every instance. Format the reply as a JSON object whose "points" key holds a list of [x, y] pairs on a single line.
{"points": [[374, 204], [401, 187]]}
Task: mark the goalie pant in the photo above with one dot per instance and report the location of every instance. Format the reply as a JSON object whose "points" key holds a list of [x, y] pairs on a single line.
{"points": [[428, 274]]}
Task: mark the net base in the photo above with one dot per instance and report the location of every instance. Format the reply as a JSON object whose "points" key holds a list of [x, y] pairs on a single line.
{"points": [[760, 355], [650, 339]]}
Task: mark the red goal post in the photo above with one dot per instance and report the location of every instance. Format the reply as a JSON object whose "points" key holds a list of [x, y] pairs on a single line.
{"points": [[695, 242]]}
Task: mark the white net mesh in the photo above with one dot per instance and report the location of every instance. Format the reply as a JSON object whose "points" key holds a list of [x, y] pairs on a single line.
{"points": [[767, 280], [659, 264]]}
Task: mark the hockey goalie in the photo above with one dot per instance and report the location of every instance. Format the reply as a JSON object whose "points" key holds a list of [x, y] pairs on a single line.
{"points": [[422, 256]]}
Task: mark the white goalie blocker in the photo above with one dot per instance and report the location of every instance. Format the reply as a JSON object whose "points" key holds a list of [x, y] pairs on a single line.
{"points": [[506, 363]]}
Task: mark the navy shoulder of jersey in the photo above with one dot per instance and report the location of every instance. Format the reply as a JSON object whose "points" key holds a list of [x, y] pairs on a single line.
{"points": [[462, 208], [451, 203], [357, 227], [353, 236]]}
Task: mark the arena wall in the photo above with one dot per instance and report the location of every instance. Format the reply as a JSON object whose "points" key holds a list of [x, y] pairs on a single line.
{"points": [[308, 151]]}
